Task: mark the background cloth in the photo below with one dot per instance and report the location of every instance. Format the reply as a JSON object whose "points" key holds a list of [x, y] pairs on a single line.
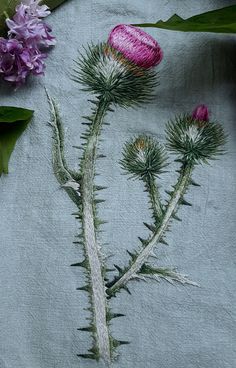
{"points": [[168, 326]]}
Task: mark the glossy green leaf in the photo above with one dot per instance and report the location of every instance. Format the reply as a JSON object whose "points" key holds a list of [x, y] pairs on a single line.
{"points": [[13, 122], [8, 6], [218, 21]]}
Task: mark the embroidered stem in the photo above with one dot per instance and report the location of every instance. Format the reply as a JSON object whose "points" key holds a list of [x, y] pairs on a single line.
{"points": [[80, 188], [89, 232], [68, 179], [132, 271], [155, 200]]}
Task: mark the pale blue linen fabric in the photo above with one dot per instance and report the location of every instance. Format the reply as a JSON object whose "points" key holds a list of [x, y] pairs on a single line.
{"points": [[168, 326]]}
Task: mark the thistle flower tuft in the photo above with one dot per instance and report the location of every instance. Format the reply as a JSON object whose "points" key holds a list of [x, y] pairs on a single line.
{"points": [[201, 113], [136, 45]]}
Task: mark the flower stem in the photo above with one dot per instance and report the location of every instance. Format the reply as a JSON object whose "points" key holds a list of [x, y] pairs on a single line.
{"points": [[6, 14], [155, 200], [93, 256], [132, 271], [80, 188]]}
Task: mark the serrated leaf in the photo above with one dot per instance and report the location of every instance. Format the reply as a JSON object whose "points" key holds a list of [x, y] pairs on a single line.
{"points": [[217, 21], [13, 122]]}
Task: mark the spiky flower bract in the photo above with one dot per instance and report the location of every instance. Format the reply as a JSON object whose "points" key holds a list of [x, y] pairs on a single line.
{"points": [[106, 72], [194, 140], [143, 156]]}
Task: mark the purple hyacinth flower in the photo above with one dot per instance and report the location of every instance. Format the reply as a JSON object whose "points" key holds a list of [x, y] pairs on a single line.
{"points": [[30, 29], [201, 113], [136, 45], [33, 8], [18, 61], [21, 55]]}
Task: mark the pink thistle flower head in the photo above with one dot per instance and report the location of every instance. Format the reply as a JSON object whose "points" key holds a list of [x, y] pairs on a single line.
{"points": [[136, 45], [201, 113]]}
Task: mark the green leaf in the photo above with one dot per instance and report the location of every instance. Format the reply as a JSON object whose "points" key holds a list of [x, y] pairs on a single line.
{"points": [[54, 3], [218, 21], [9, 6], [13, 122]]}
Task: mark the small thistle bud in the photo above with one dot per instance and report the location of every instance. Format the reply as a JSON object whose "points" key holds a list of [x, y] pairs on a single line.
{"points": [[143, 156], [136, 45], [201, 113], [194, 138]]}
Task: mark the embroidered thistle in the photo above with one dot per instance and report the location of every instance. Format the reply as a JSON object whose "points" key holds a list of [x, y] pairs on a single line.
{"points": [[114, 79]]}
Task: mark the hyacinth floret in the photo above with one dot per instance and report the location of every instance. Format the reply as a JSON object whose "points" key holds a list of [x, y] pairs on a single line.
{"points": [[21, 53]]}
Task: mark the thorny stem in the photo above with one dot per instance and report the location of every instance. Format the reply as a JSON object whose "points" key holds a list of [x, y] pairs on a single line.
{"points": [[132, 271], [89, 232], [155, 200], [80, 188]]}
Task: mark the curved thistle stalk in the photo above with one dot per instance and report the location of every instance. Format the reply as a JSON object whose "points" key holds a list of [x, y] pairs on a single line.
{"points": [[113, 79], [134, 270], [195, 141], [80, 188], [90, 227]]}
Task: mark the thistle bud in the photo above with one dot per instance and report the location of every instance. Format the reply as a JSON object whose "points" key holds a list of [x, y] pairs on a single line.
{"points": [[136, 46], [191, 137], [143, 156], [201, 113]]}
